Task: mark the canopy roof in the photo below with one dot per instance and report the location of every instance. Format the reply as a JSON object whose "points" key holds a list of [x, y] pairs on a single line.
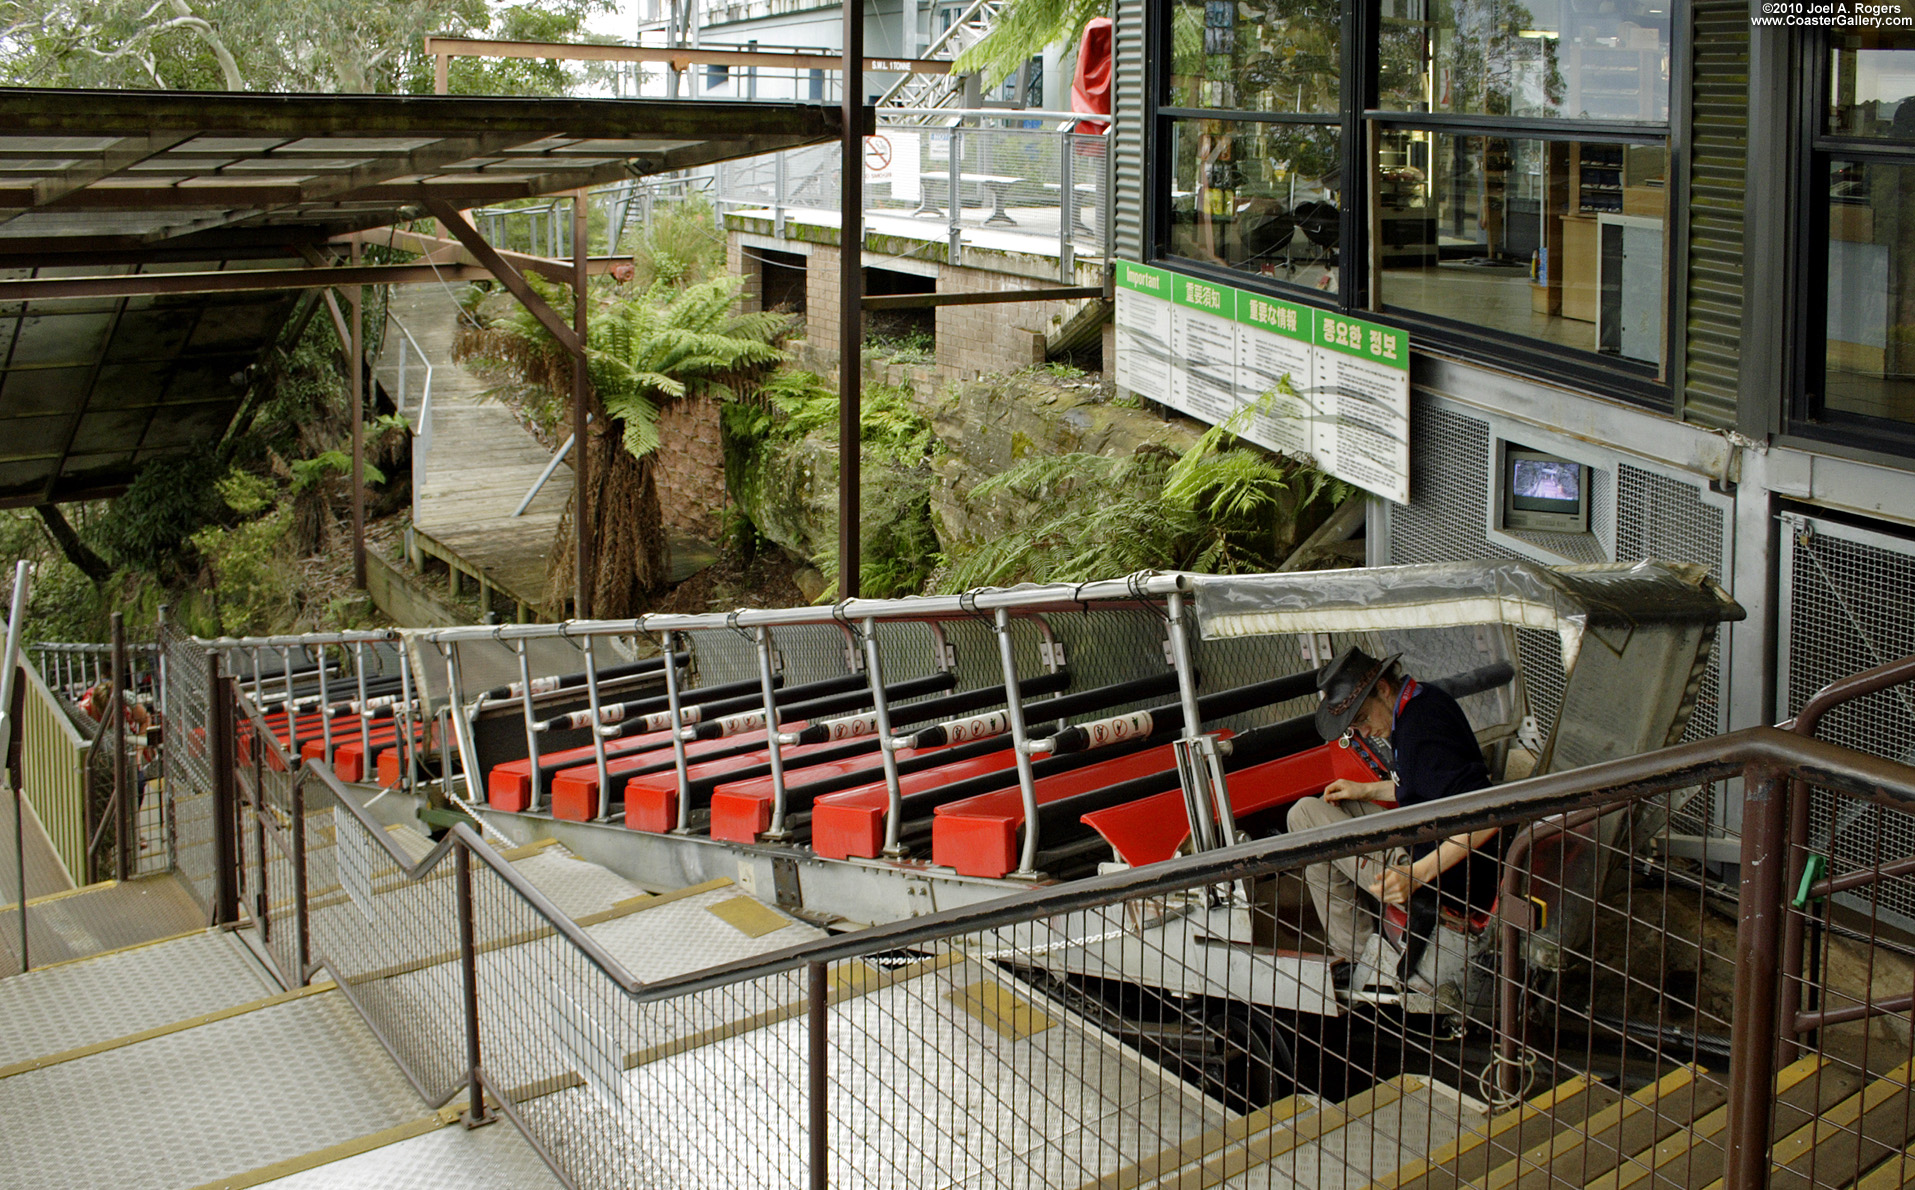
{"points": [[1571, 601], [123, 184]]}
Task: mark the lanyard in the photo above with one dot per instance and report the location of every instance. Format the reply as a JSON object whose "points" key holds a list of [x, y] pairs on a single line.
{"points": [[1411, 688]]}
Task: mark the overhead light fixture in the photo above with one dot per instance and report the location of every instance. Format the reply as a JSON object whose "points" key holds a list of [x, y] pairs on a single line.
{"points": [[1546, 34]]}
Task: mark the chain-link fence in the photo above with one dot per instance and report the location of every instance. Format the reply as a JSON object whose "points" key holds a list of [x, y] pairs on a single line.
{"points": [[185, 761]]}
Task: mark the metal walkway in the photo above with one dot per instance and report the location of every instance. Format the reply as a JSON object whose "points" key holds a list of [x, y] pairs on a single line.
{"points": [[478, 463]]}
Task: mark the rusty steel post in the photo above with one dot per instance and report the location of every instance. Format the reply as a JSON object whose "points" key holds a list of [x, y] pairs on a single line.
{"points": [[1758, 940], [850, 300], [115, 709], [356, 366], [585, 564], [469, 985], [819, 1070], [223, 755], [302, 920]]}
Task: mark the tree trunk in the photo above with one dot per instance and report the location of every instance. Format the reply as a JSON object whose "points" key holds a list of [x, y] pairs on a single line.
{"points": [[631, 554], [91, 564]]}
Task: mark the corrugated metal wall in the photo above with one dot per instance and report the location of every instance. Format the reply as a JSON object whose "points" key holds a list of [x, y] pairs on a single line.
{"points": [[1131, 51], [53, 770], [1717, 159]]}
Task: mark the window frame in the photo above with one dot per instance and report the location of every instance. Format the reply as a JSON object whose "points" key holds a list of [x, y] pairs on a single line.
{"points": [[1650, 386], [1807, 416]]}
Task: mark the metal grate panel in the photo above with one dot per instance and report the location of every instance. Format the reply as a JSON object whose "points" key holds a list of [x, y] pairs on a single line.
{"points": [[1849, 605], [1664, 518]]}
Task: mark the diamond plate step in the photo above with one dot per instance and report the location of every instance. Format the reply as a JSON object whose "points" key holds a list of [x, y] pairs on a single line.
{"points": [[204, 1103], [1421, 1119], [99, 999], [495, 1157]]}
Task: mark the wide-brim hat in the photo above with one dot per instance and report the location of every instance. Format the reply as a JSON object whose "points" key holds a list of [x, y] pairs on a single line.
{"points": [[1344, 684]]}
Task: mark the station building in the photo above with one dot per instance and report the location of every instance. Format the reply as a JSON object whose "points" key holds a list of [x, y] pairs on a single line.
{"points": [[1657, 240]]}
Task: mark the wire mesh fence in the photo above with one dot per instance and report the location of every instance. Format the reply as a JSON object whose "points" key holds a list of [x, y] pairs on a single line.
{"points": [[1566, 1013], [186, 763]]}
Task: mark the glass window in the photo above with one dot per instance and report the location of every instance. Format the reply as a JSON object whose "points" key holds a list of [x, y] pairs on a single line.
{"points": [[1870, 360], [1872, 85], [1554, 240], [1570, 59], [1256, 55], [1256, 196]]}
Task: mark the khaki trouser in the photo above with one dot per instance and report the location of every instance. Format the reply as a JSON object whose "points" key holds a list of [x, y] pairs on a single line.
{"points": [[1341, 887]]}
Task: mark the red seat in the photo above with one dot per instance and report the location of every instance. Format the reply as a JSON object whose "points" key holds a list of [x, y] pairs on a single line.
{"points": [[978, 835], [851, 822], [651, 802], [1154, 828], [741, 810], [509, 785]]}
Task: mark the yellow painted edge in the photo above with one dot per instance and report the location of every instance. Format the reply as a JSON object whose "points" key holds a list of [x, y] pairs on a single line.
{"points": [[63, 894], [678, 894], [1544, 1103], [752, 918], [1200, 1146], [1610, 1117], [87, 958], [192, 1022], [1892, 1174], [1848, 1113], [528, 850], [338, 1152], [1301, 1131], [1678, 1143]]}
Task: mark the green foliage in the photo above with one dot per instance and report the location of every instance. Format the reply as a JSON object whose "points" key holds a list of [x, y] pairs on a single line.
{"points": [[310, 473], [1222, 506], [1090, 516], [150, 528], [910, 345], [679, 246], [1024, 29], [247, 45], [645, 351], [252, 592], [898, 548]]}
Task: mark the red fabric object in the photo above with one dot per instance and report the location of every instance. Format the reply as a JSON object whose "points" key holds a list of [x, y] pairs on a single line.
{"points": [[1090, 86]]}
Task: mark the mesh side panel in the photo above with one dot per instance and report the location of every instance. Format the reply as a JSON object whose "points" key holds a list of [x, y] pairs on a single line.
{"points": [[1852, 607], [187, 764], [810, 652]]}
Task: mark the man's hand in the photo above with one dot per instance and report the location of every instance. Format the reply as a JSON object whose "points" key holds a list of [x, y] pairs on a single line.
{"points": [[1345, 790], [1394, 887]]}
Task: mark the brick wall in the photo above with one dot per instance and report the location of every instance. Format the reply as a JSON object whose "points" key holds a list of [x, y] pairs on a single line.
{"points": [[821, 306], [691, 466], [993, 338], [740, 263]]}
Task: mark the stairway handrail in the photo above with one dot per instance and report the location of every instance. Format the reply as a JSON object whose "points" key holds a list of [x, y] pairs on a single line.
{"points": [[1609, 784]]}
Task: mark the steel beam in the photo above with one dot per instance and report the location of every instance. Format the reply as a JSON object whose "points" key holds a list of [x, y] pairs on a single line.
{"points": [[854, 114], [455, 221], [443, 251], [679, 58], [581, 417], [920, 301]]}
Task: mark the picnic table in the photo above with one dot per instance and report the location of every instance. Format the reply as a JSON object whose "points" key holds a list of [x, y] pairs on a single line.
{"points": [[996, 185]]}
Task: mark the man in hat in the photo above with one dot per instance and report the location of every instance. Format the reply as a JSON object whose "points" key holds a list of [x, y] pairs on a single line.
{"points": [[1435, 755]]}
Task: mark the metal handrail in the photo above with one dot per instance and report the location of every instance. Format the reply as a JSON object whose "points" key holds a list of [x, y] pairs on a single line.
{"points": [[1806, 723], [1603, 786]]}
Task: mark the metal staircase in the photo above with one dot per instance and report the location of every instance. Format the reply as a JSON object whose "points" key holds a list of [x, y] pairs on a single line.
{"points": [[922, 93]]}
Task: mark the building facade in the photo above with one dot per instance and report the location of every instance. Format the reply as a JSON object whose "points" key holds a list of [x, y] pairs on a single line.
{"points": [[1657, 239]]}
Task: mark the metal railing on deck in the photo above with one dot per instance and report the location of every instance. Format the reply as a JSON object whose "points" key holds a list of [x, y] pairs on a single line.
{"points": [[1042, 179], [991, 1045]]}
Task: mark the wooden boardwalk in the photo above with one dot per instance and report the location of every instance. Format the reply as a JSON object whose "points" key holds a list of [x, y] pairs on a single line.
{"points": [[479, 464]]}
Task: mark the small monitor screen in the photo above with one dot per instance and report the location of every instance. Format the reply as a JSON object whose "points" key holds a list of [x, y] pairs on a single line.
{"points": [[1545, 485]]}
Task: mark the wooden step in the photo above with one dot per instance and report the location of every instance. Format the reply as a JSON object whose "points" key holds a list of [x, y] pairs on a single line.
{"points": [[1507, 1134], [1608, 1137], [1694, 1156], [1860, 1133], [1893, 1174]]}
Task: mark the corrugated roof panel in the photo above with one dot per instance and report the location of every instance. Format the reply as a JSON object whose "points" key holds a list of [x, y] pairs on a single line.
{"points": [[1717, 173]]}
